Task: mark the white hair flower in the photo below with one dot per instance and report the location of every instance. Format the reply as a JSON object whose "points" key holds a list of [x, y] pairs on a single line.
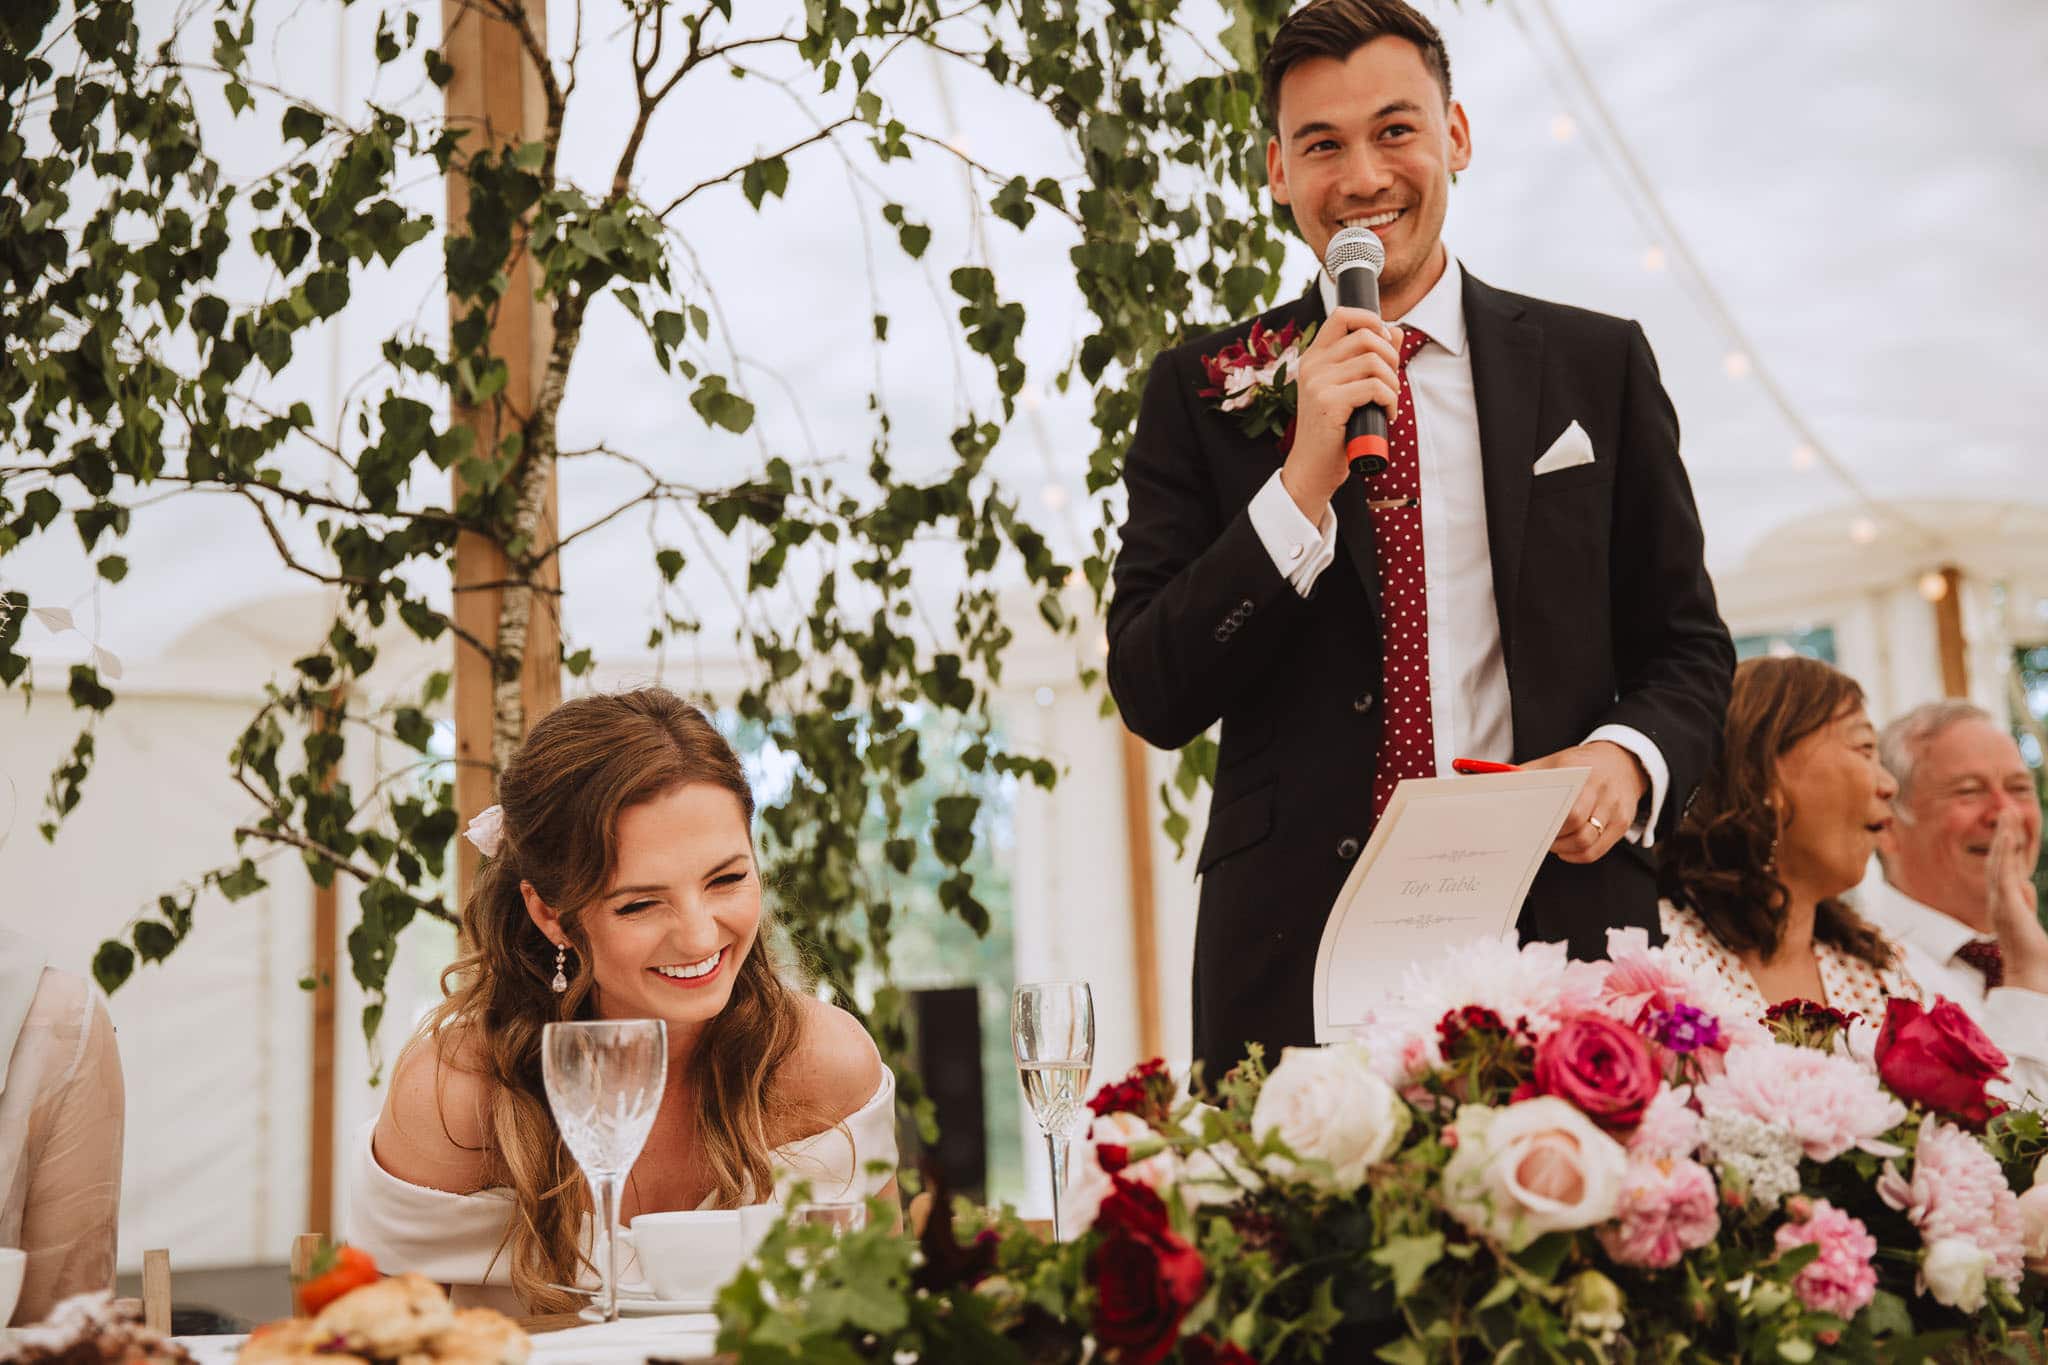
{"points": [[487, 831]]}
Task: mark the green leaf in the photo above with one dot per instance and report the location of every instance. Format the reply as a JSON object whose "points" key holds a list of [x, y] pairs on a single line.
{"points": [[113, 964], [721, 408], [1410, 1259], [154, 941], [113, 568], [770, 175], [303, 125]]}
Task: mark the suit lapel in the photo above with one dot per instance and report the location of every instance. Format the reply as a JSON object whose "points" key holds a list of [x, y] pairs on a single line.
{"points": [[1507, 381]]}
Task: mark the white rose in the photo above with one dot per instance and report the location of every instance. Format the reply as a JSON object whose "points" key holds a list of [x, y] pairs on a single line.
{"points": [[1954, 1271], [1535, 1167], [2034, 1227], [1157, 1172], [1327, 1105]]}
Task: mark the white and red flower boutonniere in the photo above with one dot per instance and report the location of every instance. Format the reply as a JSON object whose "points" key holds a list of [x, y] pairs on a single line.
{"points": [[1255, 378]]}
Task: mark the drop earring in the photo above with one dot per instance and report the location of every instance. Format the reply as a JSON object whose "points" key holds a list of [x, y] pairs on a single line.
{"points": [[561, 982]]}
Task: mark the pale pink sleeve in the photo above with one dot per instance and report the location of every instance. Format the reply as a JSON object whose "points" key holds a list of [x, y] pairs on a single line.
{"points": [[74, 1153]]}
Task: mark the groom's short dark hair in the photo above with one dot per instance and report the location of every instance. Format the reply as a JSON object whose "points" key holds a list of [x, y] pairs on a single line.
{"points": [[1338, 28]]}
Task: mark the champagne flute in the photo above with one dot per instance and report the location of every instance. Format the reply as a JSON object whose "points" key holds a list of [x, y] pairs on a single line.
{"points": [[1052, 1031], [604, 1080]]}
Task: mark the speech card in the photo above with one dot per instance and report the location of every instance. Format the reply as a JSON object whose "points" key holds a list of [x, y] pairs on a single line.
{"points": [[1448, 863]]}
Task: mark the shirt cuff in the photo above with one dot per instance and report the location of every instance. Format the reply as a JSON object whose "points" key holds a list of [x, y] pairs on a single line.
{"points": [[1300, 550], [1644, 830]]}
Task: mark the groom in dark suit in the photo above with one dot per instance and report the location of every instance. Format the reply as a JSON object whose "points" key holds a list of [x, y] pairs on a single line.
{"points": [[1522, 582]]}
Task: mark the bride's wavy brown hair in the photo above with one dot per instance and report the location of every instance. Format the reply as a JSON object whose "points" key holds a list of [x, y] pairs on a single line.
{"points": [[584, 763], [1721, 861]]}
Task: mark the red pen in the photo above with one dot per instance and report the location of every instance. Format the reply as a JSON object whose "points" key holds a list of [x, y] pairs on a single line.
{"points": [[1469, 766]]}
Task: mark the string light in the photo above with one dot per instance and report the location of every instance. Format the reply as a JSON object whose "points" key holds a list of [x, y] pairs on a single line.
{"points": [[1054, 496], [1564, 128], [1618, 157], [1863, 530], [1933, 585], [1804, 456], [1653, 258]]}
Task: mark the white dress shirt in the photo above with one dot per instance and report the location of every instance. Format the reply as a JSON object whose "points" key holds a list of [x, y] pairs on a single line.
{"points": [[2016, 1019], [1468, 679]]}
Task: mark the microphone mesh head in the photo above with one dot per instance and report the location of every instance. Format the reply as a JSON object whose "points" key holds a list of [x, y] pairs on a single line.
{"points": [[1353, 247]]}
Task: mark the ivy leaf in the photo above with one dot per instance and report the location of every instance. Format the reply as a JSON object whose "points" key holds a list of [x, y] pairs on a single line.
{"points": [[720, 407], [112, 965]]}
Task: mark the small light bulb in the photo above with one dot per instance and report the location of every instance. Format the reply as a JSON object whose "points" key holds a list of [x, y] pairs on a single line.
{"points": [[1564, 128], [1736, 365], [1054, 496], [1933, 585], [1863, 530], [1804, 456], [1653, 258]]}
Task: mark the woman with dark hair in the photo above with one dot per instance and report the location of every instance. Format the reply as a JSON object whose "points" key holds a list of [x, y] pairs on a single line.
{"points": [[1781, 828], [619, 882]]}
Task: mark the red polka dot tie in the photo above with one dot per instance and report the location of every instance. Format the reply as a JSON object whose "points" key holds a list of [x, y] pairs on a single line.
{"points": [[1407, 731]]}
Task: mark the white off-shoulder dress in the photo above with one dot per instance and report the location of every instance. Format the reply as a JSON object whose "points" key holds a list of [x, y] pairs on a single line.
{"points": [[459, 1239]]}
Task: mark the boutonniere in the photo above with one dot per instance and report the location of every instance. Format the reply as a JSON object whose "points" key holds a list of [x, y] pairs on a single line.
{"points": [[1255, 378]]}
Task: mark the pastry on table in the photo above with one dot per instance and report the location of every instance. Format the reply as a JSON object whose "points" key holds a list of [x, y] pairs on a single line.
{"points": [[93, 1329]]}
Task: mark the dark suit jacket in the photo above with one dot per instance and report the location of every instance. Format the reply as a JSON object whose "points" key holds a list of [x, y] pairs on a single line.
{"points": [[1606, 615]]}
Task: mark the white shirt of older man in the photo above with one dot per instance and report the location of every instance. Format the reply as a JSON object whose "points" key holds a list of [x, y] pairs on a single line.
{"points": [[2016, 1019]]}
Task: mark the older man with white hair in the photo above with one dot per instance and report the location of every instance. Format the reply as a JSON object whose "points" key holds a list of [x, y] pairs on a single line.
{"points": [[1956, 890]]}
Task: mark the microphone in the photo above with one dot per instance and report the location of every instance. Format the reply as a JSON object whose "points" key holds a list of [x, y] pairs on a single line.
{"points": [[1354, 259]]}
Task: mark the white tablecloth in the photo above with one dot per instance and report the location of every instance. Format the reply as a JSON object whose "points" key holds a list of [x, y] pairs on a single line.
{"points": [[629, 1341]]}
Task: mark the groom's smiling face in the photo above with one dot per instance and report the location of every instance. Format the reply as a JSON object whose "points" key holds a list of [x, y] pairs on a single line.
{"points": [[1371, 141]]}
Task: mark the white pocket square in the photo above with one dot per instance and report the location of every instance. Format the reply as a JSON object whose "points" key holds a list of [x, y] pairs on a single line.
{"points": [[1571, 449]]}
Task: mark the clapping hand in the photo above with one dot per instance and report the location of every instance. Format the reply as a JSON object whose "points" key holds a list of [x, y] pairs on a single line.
{"points": [[2009, 886]]}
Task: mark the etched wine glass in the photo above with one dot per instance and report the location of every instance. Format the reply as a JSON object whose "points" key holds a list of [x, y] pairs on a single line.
{"points": [[1052, 1032], [604, 1080]]}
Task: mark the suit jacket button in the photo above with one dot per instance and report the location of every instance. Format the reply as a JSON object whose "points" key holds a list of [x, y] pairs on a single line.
{"points": [[1222, 633], [1247, 607], [1348, 849], [1363, 702]]}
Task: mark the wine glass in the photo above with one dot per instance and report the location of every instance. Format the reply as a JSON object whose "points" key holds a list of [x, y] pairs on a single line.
{"points": [[604, 1080], [1052, 1031]]}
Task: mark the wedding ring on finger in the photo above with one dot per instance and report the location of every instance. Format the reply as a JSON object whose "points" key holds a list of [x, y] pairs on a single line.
{"points": [[1599, 825]]}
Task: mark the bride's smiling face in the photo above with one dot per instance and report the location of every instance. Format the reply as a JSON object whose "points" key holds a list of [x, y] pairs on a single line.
{"points": [[667, 935]]}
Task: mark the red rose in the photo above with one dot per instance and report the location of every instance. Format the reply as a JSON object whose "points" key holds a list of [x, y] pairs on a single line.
{"points": [[1206, 1350], [1147, 1092], [1146, 1278], [1940, 1060], [1604, 1069]]}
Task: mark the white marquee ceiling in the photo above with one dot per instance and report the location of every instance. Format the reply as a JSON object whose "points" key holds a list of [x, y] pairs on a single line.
{"points": [[1863, 184]]}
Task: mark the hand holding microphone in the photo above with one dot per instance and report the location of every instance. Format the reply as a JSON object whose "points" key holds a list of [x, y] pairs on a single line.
{"points": [[1349, 379]]}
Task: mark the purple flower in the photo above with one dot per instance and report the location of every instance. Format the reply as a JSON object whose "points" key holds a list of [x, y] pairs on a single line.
{"points": [[1685, 1028]]}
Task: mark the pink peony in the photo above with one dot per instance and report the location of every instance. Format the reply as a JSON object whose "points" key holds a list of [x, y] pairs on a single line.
{"points": [[1670, 1126], [1841, 1280], [1958, 1192], [1828, 1103], [1668, 1207]]}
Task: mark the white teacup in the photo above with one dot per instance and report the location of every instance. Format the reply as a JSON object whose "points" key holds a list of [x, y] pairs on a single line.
{"points": [[690, 1254], [12, 1264]]}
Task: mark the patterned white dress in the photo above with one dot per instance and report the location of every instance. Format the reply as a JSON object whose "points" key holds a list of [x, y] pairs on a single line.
{"points": [[1851, 983]]}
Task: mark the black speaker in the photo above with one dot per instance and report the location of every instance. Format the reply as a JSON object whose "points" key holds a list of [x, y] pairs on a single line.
{"points": [[945, 1026]]}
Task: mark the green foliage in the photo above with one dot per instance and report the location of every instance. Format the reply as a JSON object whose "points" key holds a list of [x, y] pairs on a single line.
{"points": [[130, 375]]}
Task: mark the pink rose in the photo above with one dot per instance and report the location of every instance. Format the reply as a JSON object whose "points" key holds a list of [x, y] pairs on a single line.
{"points": [[1600, 1066]]}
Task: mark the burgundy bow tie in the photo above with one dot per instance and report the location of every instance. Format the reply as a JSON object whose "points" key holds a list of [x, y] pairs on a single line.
{"points": [[1984, 954]]}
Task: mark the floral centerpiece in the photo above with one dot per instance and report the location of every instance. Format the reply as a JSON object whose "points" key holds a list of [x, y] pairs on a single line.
{"points": [[1527, 1158]]}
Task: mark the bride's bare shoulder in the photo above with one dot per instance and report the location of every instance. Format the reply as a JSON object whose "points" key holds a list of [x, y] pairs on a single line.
{"points": [[435, 1125], [835, 1067]]}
